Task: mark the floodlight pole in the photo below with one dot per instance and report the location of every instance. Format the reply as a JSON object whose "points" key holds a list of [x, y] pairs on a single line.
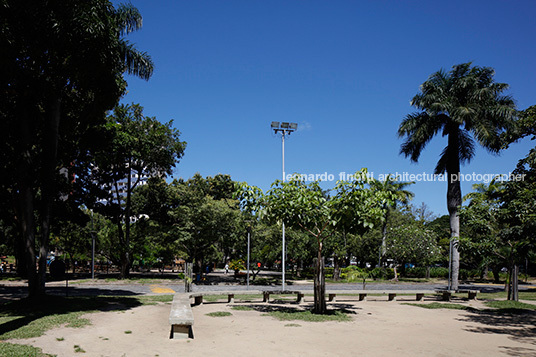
{"points": [[283, 253], [285, 129]]}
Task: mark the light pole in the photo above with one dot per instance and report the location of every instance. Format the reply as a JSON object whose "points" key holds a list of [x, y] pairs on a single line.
{"points": [[285, 129]]}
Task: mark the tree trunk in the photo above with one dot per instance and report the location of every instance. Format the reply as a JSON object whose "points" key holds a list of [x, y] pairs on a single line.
{"points": [[513, 291], [25, 199], [50, 154], [454, 200], [319, 286], [496, 277], [336, 268], [125, 256], [383, 248]]}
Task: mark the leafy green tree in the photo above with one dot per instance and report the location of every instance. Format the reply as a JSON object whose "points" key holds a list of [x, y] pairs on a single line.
{"points": [[138, 147], [465, 105], [353, 208], [412, 242], [481, 238], [61, 62], [206, 229], [394, 193]]}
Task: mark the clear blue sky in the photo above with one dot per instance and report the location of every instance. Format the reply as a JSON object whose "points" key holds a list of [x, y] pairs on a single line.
{"points": [[345, 71]]}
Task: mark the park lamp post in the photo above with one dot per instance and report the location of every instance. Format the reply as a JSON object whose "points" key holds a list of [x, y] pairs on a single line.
{"points": [[285, 129]]}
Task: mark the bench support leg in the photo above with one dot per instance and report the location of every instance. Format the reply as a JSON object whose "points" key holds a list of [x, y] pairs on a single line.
{"points": [[198, 300], [392, 297], [266, 297], [446, 296], [331, 297], [299, 297], [230, 298], [179, 332], [362, 297], [419, 297], [471, 295]]}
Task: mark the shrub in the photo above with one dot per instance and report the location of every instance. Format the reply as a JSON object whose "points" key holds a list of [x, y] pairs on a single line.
{"points": [[382, 273]]}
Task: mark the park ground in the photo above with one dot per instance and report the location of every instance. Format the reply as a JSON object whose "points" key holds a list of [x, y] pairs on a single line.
{"points": [[132, 320], [375, 327]]}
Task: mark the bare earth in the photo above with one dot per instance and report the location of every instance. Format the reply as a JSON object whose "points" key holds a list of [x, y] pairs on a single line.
{"points": [[378, 328]]}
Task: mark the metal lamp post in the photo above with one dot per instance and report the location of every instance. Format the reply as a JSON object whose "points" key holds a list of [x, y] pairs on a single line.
{"points": [[285, 129]]}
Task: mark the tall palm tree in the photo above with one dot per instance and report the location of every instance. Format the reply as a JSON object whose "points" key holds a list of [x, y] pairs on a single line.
{"points": [[395, 194], [465, 105]]}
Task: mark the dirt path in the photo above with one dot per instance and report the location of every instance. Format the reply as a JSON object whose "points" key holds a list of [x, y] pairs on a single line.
{"points": [[378, 328]]}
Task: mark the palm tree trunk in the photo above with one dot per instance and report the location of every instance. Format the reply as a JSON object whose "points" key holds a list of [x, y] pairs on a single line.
{"points": [[454, 200]]}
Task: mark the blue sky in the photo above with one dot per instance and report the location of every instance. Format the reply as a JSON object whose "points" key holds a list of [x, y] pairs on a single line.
{"points": [[345, 71]]}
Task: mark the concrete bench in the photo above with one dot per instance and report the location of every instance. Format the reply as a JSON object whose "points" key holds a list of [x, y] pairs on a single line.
{"points": [[266, 294], [198, 296], [391, 294], [446, 295], [181, 317]]}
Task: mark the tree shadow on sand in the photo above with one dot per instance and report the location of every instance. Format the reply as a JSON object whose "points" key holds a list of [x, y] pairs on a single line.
{"points": [[517, 324], [53, 310]]}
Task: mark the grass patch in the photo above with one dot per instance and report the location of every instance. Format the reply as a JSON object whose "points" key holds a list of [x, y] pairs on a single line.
{"points": [[128, 332], [154, 299], [290, 315], [78, 349], [16, 350], [219, 314], [242, 308], [439, 305], [292, 325], [510, 305], [60, 339], [523, 295]]}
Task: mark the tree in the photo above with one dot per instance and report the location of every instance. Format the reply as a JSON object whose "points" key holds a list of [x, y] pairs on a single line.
{"points": [[394, 193], [138, 147], [412, 242], [481, 233], [465, 105], [353, 208], [61, 62]]}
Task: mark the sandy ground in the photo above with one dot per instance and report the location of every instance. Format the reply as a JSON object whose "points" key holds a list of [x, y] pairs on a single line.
{"points": [[378, 328]]}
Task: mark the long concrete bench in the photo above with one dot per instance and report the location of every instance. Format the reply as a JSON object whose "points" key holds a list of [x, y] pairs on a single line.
{"points": [[446, 295]]}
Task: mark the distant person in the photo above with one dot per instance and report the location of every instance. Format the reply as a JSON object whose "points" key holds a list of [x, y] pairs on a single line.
{"points": [[226, 268]]}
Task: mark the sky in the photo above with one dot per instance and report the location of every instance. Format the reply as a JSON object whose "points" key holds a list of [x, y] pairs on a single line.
{"points": [[345, 71]]}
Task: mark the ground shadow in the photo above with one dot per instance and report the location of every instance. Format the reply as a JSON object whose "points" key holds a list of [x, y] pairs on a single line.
{"points": [[273, 307], [517, 324], [27, 310]]}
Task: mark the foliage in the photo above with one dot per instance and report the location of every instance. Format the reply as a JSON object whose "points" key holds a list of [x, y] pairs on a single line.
{"points": [[138, 147], [62, 66], [353, 208], [237, 265], [412, 243]]}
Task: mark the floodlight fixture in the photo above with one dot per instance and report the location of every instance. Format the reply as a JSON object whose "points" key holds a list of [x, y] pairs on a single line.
{"points": [[284, 125], [275, 125], [294, 126]]}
